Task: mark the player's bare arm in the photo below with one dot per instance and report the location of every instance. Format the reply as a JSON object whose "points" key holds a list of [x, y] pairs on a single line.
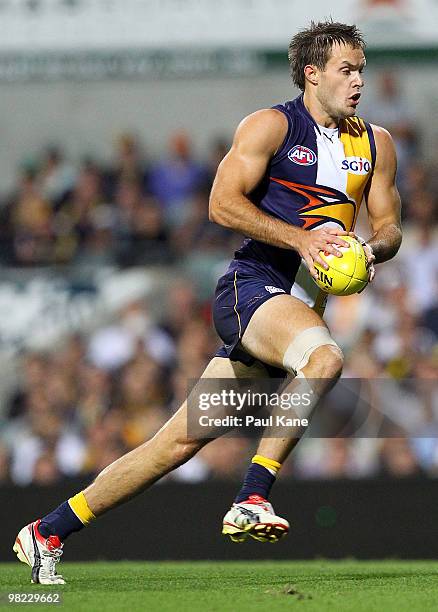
{"points": [[383, 200], [256, 141]]}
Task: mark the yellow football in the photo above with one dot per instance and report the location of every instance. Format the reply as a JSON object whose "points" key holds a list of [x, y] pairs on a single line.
{"points": [[347, 274]]}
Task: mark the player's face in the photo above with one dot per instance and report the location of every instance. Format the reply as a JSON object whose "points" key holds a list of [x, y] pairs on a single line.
{"points": [[340, 84]]}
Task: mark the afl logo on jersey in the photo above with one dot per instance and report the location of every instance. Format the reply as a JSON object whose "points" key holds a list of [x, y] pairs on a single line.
{"points": [[302, 156], [356, 165]]}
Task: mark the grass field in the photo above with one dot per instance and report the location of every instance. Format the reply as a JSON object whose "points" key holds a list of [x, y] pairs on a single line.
{"points": [[225, 586]]}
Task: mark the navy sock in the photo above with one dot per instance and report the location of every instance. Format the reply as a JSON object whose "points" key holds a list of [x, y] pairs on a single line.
{"points": [[258, 481], [61, 522]]}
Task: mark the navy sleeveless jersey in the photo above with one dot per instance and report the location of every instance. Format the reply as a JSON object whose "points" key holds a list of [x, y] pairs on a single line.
{"points": [[314, 179]]}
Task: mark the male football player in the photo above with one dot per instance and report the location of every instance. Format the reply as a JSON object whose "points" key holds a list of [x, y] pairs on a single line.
{"points": [[292, 183]]}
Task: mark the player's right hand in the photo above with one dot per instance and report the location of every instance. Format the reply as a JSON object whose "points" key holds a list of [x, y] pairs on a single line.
{"points": [[311, 243]]}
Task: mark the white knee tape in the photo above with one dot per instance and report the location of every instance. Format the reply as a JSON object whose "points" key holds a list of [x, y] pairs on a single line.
{"points": [[299, 350]]}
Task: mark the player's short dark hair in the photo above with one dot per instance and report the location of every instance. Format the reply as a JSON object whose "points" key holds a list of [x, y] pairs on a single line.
{"points": [[313, 46]]}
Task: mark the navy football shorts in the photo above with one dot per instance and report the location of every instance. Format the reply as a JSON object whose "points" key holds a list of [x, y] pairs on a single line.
{"points": [[243, 289]]}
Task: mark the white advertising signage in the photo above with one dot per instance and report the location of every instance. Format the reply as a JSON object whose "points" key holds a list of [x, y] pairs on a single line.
{"points": [[102, 25]]}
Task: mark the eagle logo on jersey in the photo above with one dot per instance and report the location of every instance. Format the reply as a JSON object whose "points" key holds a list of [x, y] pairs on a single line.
{"points": [[323, 204]]}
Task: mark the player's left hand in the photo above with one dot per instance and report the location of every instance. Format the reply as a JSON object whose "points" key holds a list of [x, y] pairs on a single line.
{"points": [[368, 253]]}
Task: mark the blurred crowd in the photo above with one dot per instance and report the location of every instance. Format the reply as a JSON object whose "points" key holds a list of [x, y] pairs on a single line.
{"points": [[80, 406], [132, 211]]}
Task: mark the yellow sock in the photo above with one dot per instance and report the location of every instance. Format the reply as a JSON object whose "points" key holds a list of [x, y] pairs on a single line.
{"points": [[271, 465], [80, 507]]}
